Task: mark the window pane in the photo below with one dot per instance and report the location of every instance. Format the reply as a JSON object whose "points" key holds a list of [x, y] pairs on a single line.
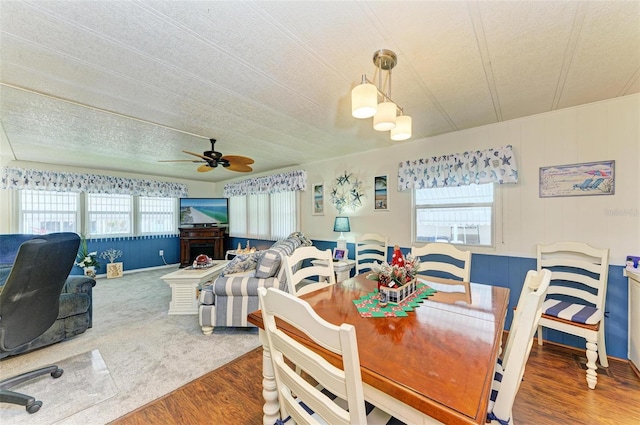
{"points": [[466, 225], [44, 211], [109, 214], [238, 216], [157, 215], [258, 214], [283, 214], [472, 194], [462, 215]]}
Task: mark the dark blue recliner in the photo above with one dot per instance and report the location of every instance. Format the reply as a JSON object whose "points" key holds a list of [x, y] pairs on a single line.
{"points": [[40, 304]]}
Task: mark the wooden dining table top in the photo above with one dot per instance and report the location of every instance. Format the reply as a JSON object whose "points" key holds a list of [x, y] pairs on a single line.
{"points": [[439, 360]]}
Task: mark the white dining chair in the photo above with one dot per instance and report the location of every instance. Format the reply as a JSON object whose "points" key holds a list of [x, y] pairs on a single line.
{"points": [[580, 272], [299, 268], [444, 257], [371, 249], [510, 369], [338, 398]]}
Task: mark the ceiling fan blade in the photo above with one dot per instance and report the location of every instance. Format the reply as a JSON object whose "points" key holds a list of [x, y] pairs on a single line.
{"points": [[204, 168], [243, 168], [237, 159], [178, 160], [206, 158]]}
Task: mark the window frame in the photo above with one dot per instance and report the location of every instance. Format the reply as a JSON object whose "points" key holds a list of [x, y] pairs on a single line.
{"points": [[138, 214], [20, 211]]}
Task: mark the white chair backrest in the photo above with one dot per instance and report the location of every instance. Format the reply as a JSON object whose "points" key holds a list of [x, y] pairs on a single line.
{"points": [[298, 281], [523, 327], [568, 261], [345, 382], [371, 248], [440, 264]]}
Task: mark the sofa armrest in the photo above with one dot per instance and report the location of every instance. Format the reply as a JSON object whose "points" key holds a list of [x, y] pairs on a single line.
{"points": [[242, 285], [78, 285]]}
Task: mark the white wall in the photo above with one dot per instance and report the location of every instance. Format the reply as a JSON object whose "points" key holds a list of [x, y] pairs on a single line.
{"points": [[608, 130]]}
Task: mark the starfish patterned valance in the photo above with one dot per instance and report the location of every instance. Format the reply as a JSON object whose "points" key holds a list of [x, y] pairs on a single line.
{"points": [[459, 169], [59, 181], [283, 182]]}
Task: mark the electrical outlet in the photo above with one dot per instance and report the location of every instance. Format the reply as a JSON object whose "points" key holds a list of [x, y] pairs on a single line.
{"points": [[161, 253]]}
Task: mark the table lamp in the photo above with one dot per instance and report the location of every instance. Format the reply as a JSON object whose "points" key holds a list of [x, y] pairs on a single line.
{"points": [[341, 225]]}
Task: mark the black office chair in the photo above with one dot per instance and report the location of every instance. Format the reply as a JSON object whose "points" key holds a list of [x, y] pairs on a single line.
{"points": [[29, 303]]}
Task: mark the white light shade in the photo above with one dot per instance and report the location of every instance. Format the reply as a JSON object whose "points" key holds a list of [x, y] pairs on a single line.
{"points": [[385, 118], [402, 130], [364, 101]]}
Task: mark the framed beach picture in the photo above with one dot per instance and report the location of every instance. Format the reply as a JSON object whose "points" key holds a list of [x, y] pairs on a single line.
{"points": [[317, 196], [381, 196], [586, 179]]}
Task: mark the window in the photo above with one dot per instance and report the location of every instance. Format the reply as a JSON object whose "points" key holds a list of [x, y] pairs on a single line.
{"points": [[264, 216], [284, 214], [460, 215], [42, 211], [109, 214], [157, 215]]}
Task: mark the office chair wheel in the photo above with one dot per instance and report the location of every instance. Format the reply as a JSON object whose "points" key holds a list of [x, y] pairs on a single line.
{"points": [[34, 407], [57, 373]]}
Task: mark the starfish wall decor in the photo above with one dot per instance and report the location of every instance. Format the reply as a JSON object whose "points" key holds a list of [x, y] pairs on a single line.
{"points": [[347, 193]]}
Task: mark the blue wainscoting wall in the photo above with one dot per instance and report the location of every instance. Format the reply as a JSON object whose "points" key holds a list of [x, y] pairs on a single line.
{"points": [[138, 252]]}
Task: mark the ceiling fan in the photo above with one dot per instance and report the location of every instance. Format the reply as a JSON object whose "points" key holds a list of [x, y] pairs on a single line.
{"points": [[212, 159]]}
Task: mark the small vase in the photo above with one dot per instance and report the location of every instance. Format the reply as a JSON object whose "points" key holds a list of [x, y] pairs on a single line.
{"points": [[90, 271]]}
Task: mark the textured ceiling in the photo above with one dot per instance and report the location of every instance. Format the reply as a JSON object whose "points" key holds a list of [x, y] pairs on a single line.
{"points": [[120, 85]]}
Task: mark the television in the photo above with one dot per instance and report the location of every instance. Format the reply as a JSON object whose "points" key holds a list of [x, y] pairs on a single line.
{"points": [[204, 212]]}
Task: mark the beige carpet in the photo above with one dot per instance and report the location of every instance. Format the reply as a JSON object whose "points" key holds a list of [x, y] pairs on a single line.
{"points": [[146, 354]]}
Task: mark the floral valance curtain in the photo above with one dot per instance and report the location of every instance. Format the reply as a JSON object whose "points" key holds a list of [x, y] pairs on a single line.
{"points": [[283, 182], [18, 178], [459, 169]]}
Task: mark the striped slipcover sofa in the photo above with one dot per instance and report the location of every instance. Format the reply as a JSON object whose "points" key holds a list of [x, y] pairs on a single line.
{"points": [[232, 296]]}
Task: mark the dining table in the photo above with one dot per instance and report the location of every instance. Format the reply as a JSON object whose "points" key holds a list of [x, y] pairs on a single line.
{"points": [[435, 364]]}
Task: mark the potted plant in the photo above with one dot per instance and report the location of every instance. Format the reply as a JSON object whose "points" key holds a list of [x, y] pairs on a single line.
{"points": [[87, 260]]}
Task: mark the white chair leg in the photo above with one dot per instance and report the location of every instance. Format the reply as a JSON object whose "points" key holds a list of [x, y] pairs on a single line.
{"points": [[539, 335], [592, 355], [602, 348]]}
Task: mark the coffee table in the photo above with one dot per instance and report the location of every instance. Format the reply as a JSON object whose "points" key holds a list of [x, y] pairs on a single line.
{"points": [[184, 286]]}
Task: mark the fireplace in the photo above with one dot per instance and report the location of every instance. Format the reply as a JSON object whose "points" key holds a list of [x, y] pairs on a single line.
{"points": [[201, 240], [197, 248]]}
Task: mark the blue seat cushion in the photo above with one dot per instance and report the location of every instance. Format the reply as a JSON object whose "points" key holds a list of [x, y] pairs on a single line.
{"points": [[578, 313]]}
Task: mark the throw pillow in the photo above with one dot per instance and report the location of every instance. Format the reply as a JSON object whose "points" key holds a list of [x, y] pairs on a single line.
{"points": [[242, 263], [304, 241], [269, 263]]}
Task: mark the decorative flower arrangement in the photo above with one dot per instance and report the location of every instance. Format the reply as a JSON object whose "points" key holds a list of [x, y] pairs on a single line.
{"points": [[396, 275], [85, 258]]}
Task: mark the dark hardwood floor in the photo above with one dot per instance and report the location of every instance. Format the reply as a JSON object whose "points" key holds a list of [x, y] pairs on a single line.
{"points": [[554, 391]]}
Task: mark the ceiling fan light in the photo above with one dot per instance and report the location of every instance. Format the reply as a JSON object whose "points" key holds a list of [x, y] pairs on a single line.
{"points": [[364, 100], [402, 130], [385, 118]]}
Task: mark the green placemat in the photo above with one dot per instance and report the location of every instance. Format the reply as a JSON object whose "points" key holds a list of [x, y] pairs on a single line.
{"points": [[369, 305]]}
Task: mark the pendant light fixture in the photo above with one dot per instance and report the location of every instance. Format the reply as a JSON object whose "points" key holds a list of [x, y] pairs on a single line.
{"points": [[364, 99]]}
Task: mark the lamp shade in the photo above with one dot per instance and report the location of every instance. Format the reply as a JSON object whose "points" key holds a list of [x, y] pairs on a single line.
{"points": [[341, 224], [364, 100], [385, 118], [402, 130]]}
